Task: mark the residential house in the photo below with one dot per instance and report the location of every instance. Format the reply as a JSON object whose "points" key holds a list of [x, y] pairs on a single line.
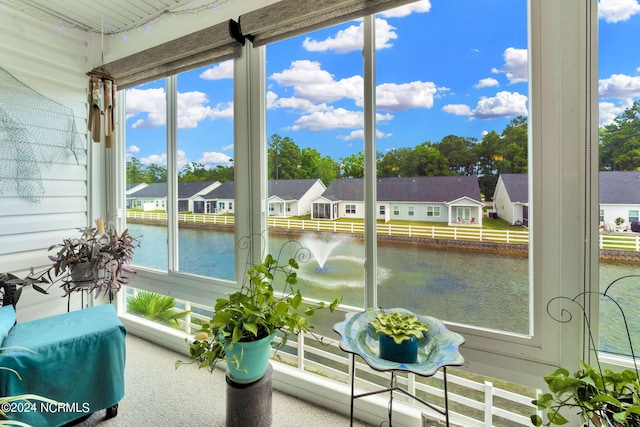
{"points": [[287, 197], [619, 198], [511, 198], [154, 196], [220, 199], [293, 197], [132, 188], [447, 199]]}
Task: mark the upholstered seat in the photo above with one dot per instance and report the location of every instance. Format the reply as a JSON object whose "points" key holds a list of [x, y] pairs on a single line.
{"points": [[76, 359]]}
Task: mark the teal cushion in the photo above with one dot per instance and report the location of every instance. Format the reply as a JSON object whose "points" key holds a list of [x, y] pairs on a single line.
{"points": [[7, 320]]}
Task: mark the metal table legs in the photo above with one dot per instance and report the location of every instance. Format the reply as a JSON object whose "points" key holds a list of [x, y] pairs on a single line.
{"points": [[393, 386]]}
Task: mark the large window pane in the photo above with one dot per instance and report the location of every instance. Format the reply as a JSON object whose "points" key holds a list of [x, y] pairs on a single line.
{"points": [[146, 192], [204, 163], [452, 132], [206, 196], [315, 162], [619, 180]]}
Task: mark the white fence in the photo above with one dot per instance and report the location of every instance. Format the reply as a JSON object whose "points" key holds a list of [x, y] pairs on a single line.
{"points": [[614, 241]]}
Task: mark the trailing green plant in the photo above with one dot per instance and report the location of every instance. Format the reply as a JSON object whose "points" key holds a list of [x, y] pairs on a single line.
{"points": [[255, 312], [596, 396], [398, 326], [155, 306]]}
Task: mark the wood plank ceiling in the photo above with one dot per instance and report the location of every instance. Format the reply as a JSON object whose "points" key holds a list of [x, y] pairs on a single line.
{"points": [[105, 16]]}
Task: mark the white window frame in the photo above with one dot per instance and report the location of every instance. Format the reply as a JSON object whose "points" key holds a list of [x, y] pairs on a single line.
{"points": [[433, 211], [562, 98]]}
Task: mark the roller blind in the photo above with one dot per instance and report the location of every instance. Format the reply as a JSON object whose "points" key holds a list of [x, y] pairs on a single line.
{"points": [[289, 18], [206, 46]]}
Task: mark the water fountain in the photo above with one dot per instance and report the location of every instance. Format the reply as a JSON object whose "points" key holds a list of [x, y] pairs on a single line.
{"points": [[321, 250]]}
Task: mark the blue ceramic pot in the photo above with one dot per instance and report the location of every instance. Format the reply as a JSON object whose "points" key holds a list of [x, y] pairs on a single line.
{"points": [[405, 352], [252, 358]]}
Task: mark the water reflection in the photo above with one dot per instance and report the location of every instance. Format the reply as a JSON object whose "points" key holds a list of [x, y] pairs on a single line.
{"points": [[483, 289]]}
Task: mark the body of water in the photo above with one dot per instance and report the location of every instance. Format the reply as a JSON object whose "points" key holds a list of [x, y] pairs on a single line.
{"points": [[484, 289]]}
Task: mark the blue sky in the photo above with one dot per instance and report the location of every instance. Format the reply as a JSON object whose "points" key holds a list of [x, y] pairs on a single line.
{"points": [[443, 67]]}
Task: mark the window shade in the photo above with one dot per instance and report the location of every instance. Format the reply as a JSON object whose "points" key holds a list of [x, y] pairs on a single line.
{"points": [[206, 46], [289, 18]]}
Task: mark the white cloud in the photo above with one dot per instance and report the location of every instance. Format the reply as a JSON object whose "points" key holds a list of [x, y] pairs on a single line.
{"points": [[314, 87], [351, 39], [131, 151], [619, 86], [504, 104], [149, 102], [488, 82], [298, 104], [334, 119], [617, 10], [192, 108], [358, 134], [515, 65], [161, 159], [311, 82], [212, 159], [400, 97], [457, 109], [227, 147], [402, 11], [609, 111], [223, 70]]}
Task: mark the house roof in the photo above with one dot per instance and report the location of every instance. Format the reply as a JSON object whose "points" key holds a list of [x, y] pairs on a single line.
{"points": [[157, 190], [285, 189], [517, 186], [620, 188], [190, 189], [225, 191], [408, 189], [185, 189], [290, 189]]}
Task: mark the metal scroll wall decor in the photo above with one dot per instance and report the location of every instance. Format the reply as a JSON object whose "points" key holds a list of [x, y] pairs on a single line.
{"points": [[35, 132]]}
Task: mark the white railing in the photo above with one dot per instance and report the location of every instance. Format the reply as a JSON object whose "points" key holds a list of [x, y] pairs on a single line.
{"points": [[611, 241], [472, 403]]}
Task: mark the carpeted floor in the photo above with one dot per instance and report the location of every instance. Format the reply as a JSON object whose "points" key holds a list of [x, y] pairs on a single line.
{"points": [[159, 395]]}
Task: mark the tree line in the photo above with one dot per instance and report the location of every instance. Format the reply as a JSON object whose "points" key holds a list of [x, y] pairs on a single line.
{"points": [[487, 158]]}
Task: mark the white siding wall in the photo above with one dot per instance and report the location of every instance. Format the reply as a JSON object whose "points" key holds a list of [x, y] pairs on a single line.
{"points": [[53, 62], [304, 205], [611, 212], [502, 204]]}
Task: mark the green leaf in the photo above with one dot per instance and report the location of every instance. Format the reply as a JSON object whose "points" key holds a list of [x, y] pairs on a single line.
{"points": [[557, 418]]}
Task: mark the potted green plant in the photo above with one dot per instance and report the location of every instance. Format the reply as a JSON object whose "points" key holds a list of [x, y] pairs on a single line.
{"points": [[398, 335], [251, 317], [97, 260], [603, 398]]}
